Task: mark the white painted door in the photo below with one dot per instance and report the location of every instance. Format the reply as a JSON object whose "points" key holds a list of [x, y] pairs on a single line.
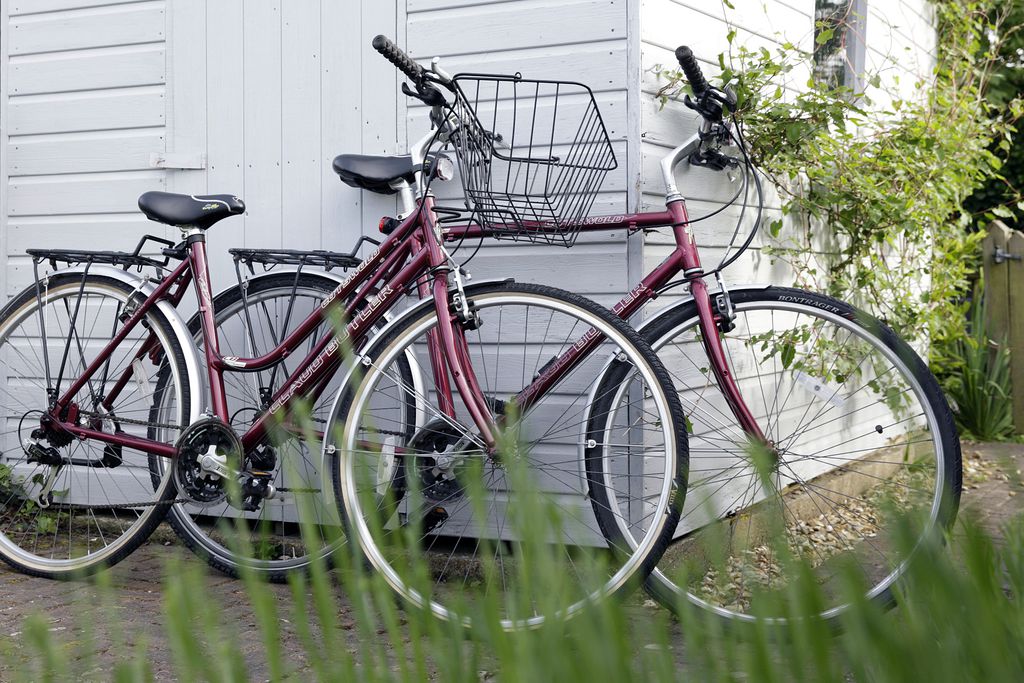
{"points": [[269, 93]]}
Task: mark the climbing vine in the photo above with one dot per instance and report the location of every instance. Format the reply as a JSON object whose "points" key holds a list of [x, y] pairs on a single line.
{"points": [[872, 183]]}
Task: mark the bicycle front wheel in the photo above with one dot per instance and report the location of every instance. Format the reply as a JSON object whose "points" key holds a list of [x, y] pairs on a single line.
{"points": [[69, 507], [518, 536], [862, 448]]}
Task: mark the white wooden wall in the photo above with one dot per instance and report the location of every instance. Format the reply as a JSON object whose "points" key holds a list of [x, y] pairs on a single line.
{"points": [[271, 92], [584, 40], [268, 92], [84, 106], [264, 93]]}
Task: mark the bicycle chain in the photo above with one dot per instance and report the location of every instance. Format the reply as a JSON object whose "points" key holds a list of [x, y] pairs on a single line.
{"points": [[129, 420], [60, 507], [119, 506], [388, 432], [166, 503]]}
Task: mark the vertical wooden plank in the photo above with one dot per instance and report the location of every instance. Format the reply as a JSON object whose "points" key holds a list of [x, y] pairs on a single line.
{"points": [[634, 158], [383, 106], [1015, 336], [225, 127], [4, 135], [300, 124], [341, 111], [997, 311], [262, 117], [186, 66]]}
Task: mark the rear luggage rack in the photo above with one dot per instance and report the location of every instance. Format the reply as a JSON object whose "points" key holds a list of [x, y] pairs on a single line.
{"points": [[124, 259], [269, 258]]}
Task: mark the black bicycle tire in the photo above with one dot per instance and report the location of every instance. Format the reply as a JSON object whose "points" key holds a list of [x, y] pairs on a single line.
{"points": [[677, 493], [677, 317], [154, 316]]}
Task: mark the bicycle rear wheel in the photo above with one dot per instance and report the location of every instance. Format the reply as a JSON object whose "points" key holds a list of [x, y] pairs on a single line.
{"points": [[74, 506], [518, 536], [865, 462], [300, 523]]}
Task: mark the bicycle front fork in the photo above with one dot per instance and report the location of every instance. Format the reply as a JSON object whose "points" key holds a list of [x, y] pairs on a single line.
{"points": [[712, 343]]}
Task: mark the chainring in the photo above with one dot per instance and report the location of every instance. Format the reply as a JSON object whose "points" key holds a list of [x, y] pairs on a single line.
{"points": [[208, 436]]}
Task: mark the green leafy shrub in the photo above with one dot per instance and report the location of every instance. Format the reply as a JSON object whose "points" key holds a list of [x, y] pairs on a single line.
{"points": [[1003, 197], [873, 192], [980, 384]]}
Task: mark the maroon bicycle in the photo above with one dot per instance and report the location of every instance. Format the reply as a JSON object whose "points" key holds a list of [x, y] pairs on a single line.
{"points": [[474, 409], [814, 432]]}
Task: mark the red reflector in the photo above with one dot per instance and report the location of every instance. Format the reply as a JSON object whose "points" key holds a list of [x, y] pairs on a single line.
{"points": [[382, 226]]}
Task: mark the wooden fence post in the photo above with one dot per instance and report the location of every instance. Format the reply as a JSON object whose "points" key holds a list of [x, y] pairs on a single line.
{"points": [[1004, 307]]}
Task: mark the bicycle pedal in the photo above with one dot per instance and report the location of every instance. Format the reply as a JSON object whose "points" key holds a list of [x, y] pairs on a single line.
{"points": [[434, 518], [112, 455]]}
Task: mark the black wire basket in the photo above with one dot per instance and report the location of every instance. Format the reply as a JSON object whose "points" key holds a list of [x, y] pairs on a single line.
{"points": [[532, 155]]}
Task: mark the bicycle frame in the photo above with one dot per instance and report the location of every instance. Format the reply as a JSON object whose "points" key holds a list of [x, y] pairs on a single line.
{"points": [[684, 260], [411, 259]]}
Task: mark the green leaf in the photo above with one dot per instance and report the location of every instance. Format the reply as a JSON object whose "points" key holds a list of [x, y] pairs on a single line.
{"points": [[824, 36], [788, 354], [793, 131]]}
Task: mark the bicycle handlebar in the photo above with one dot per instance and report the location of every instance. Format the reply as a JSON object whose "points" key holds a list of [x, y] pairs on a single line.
{"points": [[399, 58], [691, 69]]}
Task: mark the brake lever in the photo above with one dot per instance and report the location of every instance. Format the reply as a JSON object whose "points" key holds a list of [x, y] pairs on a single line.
{"points": [[426, 93], [713, 159]]}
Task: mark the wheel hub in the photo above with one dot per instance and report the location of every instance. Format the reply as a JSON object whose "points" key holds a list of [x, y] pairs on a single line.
{"points": [[441, 449]]}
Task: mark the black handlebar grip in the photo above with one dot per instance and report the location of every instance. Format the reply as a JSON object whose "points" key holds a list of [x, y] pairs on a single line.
{"points": [[397, 56], [691, 69]]}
